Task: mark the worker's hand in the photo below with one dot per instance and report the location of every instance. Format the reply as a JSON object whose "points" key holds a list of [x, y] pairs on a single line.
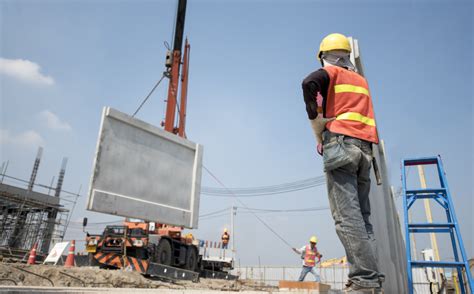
{"points": [[319, 148], [319, 124]]}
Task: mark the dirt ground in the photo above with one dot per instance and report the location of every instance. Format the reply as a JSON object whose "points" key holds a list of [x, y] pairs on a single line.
{"points": [[58, 276]]}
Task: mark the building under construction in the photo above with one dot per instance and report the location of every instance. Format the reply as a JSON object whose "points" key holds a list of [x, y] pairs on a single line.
{"points": [[28, 216]]}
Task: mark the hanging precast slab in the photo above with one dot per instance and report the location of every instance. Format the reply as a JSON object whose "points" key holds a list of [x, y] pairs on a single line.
{"points": [[141, 171]]}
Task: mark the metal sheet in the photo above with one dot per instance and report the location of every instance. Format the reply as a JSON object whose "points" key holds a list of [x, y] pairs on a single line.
{"points": [[384, 218], [172, 273], [141, 171]]}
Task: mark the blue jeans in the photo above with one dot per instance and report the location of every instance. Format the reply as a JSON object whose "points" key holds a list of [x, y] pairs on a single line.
{"points": [[306, 270], [348, 192]]}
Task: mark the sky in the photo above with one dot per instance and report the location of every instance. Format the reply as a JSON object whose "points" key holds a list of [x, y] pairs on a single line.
{"points": [[63, 61]]}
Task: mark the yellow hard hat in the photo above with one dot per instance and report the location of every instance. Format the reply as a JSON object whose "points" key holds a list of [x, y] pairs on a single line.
{"points": [[334, 42], [313, 239], [225, 230]]}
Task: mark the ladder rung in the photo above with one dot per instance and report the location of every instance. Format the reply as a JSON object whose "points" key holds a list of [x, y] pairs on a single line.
{"points": [[426, 191], [430, 230], [437, 264], [420, 161], [431, 225]]}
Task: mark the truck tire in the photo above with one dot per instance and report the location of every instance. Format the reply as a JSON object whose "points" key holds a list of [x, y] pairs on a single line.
{"points": [[163, 254], [191, 259]]}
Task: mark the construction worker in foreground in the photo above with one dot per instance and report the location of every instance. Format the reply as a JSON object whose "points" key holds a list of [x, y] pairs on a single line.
{"points": [[340, 111], [308, 254], [225, 239]]}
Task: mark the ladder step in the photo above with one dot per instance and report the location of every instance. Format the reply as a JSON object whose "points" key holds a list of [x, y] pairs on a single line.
{"points": [[431, 225], [437, 264], [430, 230], [420, 161], [426, 191]]}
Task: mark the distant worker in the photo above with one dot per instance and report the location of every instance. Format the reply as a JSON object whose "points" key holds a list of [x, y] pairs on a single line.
{"points": [[340, 110], [308, 254], [189, 239], [225, 239]]}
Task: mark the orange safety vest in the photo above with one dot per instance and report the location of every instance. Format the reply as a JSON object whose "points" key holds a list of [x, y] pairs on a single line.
{"points": [[348, 100], [310, 256], [225, 238]]}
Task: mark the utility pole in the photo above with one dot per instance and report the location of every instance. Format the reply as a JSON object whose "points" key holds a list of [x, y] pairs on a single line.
{"points": [[232, 239]]}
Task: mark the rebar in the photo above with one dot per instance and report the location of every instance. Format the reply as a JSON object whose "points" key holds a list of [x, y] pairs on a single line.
{"points": [[35, 274]]}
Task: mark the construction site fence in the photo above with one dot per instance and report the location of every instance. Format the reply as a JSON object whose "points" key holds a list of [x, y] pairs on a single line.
{"points": [[336, 276]]}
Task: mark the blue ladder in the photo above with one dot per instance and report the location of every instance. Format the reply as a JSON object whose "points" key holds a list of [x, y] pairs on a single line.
{"points": [[443, 197]]}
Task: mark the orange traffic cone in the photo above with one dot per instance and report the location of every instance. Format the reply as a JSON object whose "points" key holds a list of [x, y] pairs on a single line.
{"points": [[32, 258], [70, 257]]}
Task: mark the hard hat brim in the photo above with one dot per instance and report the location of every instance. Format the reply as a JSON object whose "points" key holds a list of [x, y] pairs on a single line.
{"points": [[334, 42]]}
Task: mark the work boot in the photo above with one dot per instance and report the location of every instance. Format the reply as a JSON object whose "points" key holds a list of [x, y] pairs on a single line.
{"points": [[351, 290], [357, 289]]}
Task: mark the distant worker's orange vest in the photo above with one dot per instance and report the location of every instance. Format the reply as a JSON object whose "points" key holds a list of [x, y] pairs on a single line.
{"points": [[348, 100], [225, 238], [310, 256]]}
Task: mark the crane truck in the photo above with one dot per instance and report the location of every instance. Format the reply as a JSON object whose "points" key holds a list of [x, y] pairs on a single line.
{"points": [[158, 250], [154, 248]]}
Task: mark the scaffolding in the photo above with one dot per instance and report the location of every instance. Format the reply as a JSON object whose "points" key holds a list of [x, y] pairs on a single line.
{"points": [[29, 214]]}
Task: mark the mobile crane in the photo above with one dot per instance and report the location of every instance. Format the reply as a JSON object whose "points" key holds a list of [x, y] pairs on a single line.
{"points": [[153, 248]]}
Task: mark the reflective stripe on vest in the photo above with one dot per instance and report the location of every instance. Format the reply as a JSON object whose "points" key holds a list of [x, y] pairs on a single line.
{"points": [[350, 88], [310, 256], [357, 117]]}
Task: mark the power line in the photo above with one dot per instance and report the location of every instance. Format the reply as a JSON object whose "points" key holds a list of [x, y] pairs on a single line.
{"points": [[273, 186], [287, 210], [265, 190], [259, 194], [214, 216], [254, 214], [214, 212], [264, 212]]}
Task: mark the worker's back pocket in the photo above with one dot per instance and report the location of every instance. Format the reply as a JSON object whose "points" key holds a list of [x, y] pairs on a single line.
{"points": [[335, 154]]}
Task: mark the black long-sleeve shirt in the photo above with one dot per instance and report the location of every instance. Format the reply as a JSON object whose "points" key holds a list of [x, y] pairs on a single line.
{"points": [[315, 82]]}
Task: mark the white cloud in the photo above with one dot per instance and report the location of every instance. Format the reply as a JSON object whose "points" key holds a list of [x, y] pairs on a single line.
{"points": [[24, 70], [52, 121], [26, 139]]}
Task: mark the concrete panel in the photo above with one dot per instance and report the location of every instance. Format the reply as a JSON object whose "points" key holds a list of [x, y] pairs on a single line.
{"points": [[387, 227], [143, 172]]}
